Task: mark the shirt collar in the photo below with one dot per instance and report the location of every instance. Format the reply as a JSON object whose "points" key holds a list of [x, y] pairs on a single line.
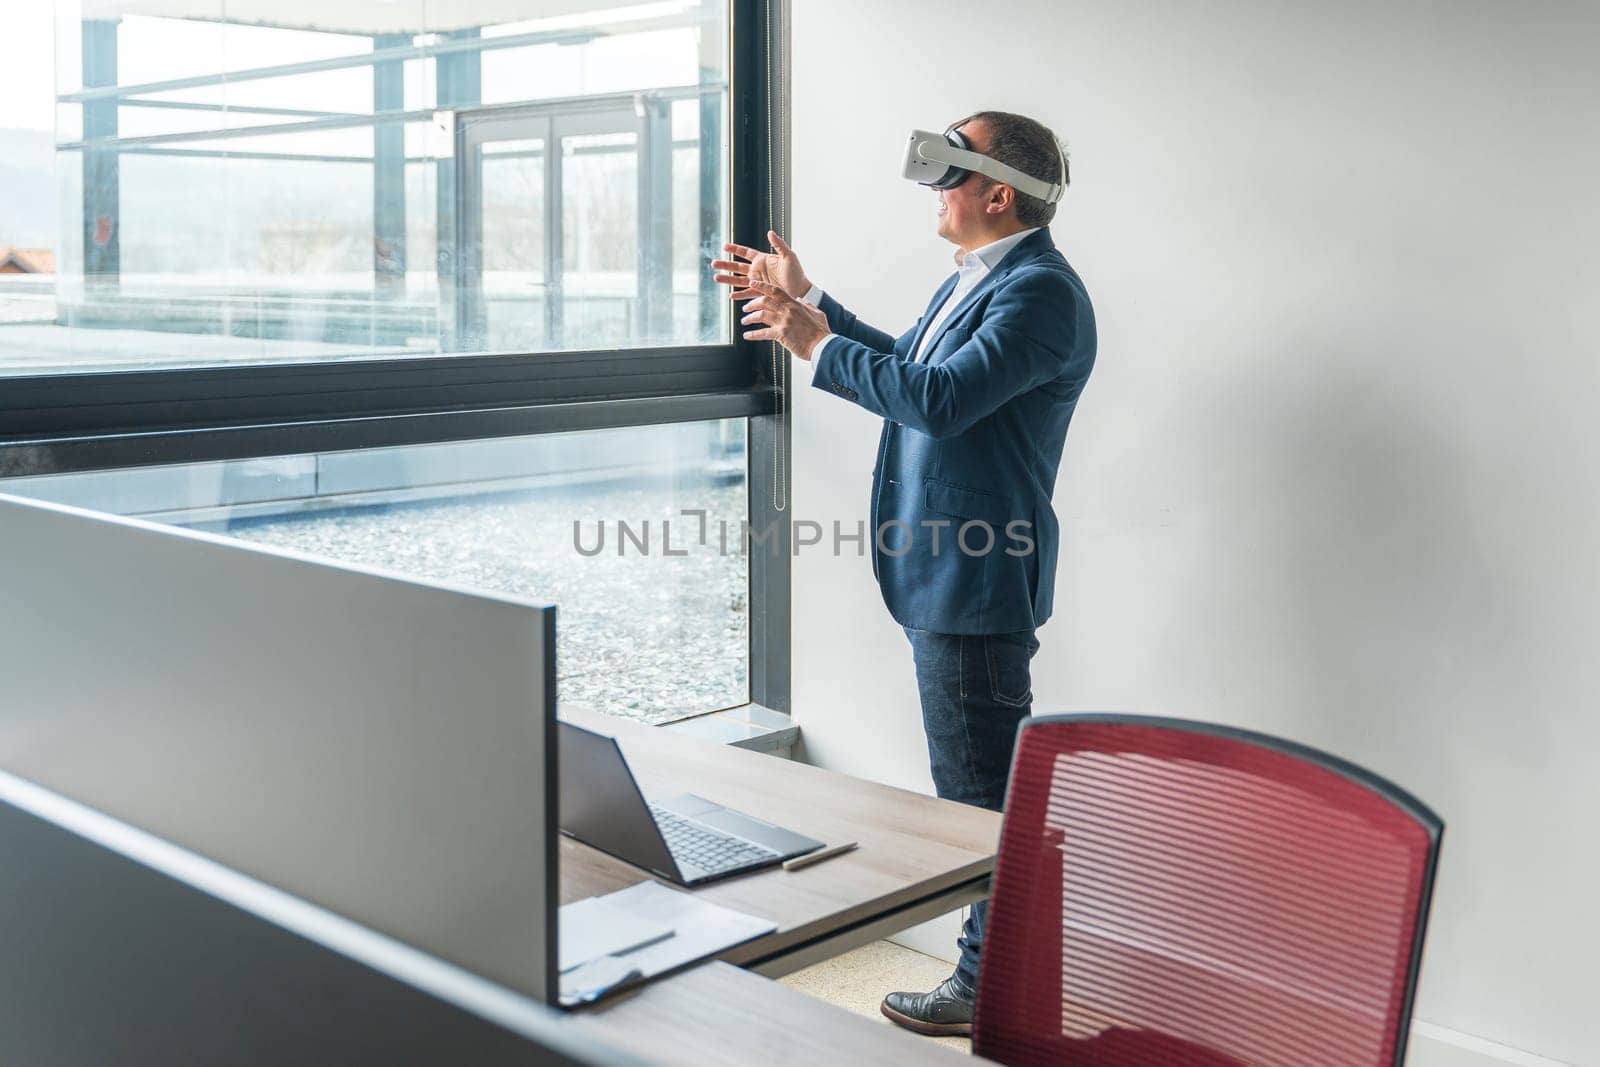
{"points": [[989, 256]]}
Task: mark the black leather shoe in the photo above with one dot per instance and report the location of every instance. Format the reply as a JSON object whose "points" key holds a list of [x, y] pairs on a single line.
{"points": [[944, 1012]]}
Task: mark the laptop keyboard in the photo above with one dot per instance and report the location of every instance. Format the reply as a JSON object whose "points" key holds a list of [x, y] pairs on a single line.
{"points": [[706, 849]]}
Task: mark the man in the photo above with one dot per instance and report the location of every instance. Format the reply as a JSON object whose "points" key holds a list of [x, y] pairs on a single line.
{"points": [[975, 400]]}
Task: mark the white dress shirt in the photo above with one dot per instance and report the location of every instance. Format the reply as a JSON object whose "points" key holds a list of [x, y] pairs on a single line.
{"points": [[970, 268]]}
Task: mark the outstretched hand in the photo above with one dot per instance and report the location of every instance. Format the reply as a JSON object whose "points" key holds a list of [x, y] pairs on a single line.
{"points": [[792, 323], [780, 267]]}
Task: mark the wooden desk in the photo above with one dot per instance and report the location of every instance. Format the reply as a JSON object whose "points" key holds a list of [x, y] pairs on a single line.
{"points": [[919, 856], [714, 1015]]}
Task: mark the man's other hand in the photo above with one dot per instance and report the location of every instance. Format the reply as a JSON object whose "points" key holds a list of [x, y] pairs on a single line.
{"points": [[780, 267], [792, 323]]}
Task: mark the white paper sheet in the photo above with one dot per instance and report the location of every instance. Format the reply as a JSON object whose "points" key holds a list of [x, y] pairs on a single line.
{"points": [[700, 929], [592, 928]]}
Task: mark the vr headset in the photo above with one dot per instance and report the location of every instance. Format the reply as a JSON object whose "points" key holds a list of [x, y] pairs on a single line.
{"points": [[943, 161]]}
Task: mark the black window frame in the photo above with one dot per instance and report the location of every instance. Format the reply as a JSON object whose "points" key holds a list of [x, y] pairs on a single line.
{"points": [[107, 420]]}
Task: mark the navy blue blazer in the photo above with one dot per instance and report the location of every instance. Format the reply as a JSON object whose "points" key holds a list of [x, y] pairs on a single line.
{"points": [[964, 535]]}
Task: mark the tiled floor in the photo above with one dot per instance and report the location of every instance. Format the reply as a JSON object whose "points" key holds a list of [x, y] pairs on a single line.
{"points": [[858, 980]]}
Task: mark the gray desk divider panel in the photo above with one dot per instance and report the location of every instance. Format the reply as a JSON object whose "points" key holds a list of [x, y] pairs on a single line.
{"points": [[381, 747], [119, 948]]}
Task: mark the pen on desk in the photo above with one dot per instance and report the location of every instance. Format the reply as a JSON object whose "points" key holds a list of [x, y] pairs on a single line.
{"points": [[818, 856]]}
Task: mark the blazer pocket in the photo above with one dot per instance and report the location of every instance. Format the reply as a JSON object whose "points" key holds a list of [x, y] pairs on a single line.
{"points": [[955, 336], [967, 503], [951, 339]]}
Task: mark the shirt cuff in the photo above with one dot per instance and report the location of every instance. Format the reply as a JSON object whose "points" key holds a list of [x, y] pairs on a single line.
{"points": [[813, 297], [816, 351]]}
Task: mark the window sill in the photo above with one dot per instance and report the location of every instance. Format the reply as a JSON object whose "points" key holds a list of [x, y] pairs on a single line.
{"points": [[749, 726]]}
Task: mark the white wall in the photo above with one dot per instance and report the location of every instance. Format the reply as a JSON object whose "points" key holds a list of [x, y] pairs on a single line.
{"points": [[1337, 473]]}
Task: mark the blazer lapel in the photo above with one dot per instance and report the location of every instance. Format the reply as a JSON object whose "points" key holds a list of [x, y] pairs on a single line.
{"points": [[934, 305], [1028, 248]]}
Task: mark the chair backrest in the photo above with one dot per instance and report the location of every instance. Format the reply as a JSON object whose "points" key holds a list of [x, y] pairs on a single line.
{"points": [[1177, 893]]}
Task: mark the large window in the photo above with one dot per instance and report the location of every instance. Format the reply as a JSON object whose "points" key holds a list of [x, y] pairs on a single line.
{"points": [[637, 535], [415, 283], [251, 180]]}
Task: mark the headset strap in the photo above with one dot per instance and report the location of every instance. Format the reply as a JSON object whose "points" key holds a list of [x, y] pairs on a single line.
{"points": [[989, 167]]}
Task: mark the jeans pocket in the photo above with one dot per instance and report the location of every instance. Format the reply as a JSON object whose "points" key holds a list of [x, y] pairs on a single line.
{"points": [[1010, 681]]}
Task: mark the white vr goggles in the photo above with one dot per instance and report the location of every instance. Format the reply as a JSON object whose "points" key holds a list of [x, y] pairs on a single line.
{"points": [[943, 161]]}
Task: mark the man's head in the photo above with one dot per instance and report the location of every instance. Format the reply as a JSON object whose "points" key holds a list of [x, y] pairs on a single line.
{"points": [[980, 209]]}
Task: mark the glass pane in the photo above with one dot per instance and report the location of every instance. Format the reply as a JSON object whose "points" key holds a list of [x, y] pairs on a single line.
{"points": [[515, 281], [31, 186], [249, 183], [652, 595], [600, 242]]}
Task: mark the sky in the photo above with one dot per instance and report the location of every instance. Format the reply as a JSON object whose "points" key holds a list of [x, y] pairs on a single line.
{"points": [[27, 77]]}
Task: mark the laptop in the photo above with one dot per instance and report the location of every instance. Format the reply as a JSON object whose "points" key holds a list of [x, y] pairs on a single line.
{"points": [[685, 839]]}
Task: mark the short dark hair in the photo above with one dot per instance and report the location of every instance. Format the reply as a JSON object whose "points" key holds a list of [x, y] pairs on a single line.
{"points": [[1028, 145]]}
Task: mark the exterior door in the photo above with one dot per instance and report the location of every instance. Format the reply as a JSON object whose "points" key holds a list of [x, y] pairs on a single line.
{"points": [[564, 226]]}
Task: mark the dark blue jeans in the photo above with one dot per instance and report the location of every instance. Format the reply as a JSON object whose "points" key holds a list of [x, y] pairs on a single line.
{"points": [[976, 690]]}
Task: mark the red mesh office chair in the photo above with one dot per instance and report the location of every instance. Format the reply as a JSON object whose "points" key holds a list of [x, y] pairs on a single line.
{"points": [[1176, 894]]}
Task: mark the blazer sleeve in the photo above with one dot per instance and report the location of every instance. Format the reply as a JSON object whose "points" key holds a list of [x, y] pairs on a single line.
{"points": [[844, 324], [1028, 336]]}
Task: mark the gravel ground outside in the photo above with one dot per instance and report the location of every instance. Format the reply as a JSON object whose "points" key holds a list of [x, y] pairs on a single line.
{"points": [[645, 636]]}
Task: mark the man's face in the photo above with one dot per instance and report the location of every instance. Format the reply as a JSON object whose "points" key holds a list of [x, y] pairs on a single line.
{"points": [[962, 210]]}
